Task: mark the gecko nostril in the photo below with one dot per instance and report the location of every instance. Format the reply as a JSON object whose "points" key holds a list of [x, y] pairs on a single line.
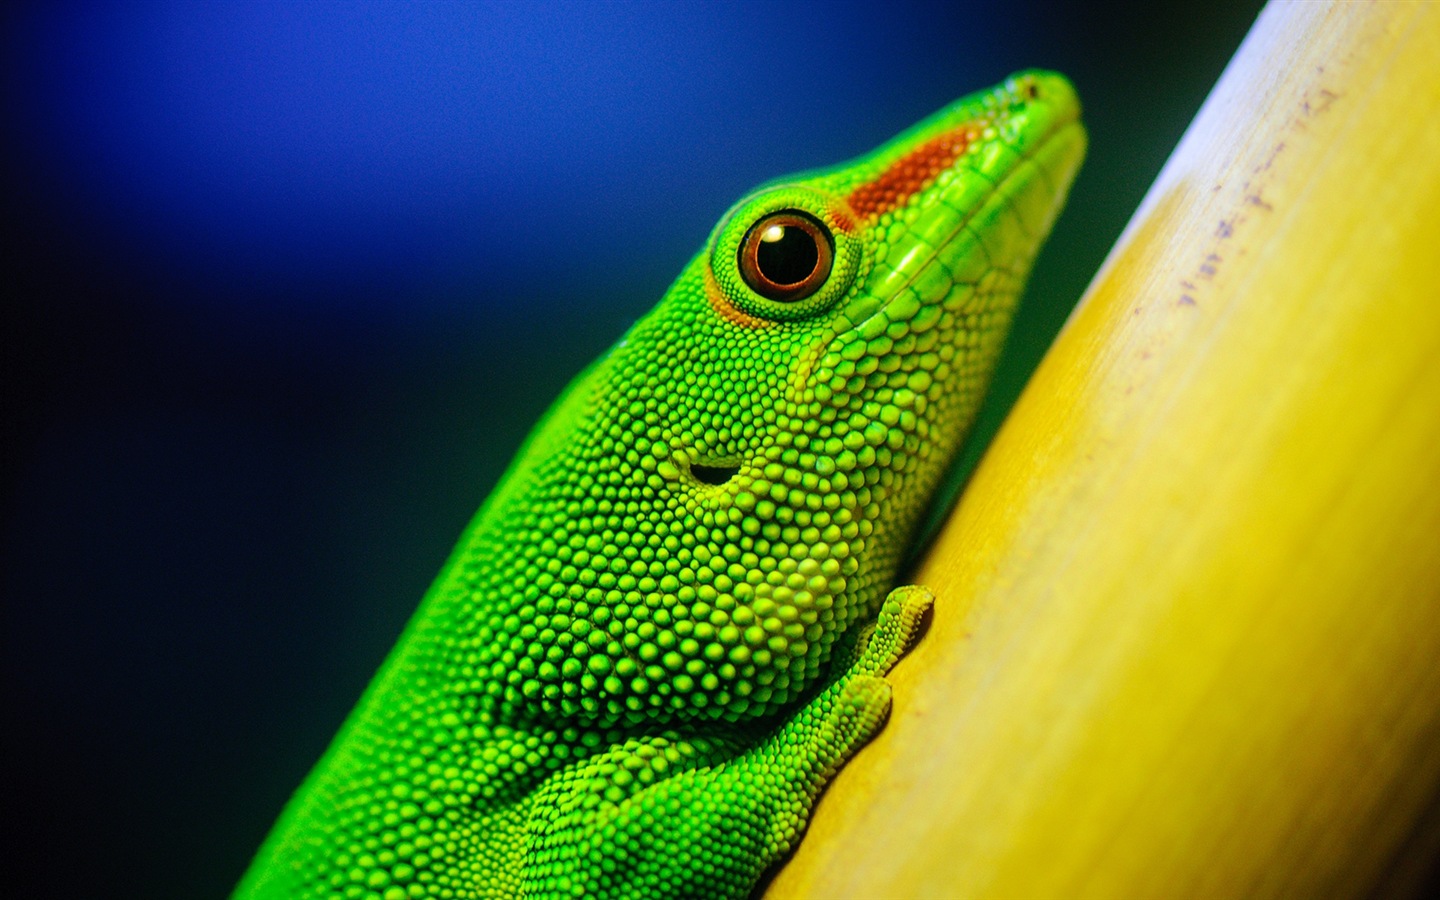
{"points": [[713, 474]]}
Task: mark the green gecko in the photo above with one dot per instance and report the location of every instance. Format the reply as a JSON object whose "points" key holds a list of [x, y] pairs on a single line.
{"points": [[668, 627]]}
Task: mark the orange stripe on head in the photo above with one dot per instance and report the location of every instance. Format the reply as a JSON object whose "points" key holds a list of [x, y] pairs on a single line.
{"points": [[912, 172], [842, 218], [727, 310]]}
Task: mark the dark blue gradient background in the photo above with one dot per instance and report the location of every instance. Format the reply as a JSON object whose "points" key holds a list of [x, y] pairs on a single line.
{"points": [[288, 283]]}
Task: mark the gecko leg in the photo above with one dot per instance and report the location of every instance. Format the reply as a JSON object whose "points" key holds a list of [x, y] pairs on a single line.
{"points": [[673, 815]]}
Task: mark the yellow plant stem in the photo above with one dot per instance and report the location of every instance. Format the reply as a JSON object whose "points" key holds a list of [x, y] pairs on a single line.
{"points": [[1187, 640]]}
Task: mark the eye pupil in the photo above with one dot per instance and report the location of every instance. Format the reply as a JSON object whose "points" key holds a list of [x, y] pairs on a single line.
{"points": [[789, 257], [786, 255]]}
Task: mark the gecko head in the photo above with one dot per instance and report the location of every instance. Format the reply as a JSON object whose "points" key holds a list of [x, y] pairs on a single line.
{"points": [[756, 452], [839, 302]]}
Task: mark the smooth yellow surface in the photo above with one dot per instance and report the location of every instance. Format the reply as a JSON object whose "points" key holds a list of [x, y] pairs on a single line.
{"points": [[1187, 642]]}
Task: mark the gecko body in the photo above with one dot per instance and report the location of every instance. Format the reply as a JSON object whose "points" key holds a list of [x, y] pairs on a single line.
{"points": [[669, 624]]}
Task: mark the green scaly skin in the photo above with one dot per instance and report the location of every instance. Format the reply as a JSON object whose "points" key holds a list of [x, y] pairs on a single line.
{"points": [[635, 674]]}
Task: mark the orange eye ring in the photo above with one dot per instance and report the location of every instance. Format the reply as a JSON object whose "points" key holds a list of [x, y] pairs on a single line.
{"points": [[786, 255]]}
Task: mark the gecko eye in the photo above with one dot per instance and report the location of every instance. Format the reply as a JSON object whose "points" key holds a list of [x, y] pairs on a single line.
{"points": [[786, 255]]}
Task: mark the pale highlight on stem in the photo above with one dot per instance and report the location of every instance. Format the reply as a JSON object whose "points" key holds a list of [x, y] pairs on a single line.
{"points": [[1187, 634]]}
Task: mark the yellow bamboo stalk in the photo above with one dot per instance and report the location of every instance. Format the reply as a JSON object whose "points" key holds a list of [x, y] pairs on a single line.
{"points": [[1187, 641]]}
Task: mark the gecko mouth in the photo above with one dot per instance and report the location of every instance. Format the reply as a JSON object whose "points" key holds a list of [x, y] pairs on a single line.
{"points": [[714, 474]]}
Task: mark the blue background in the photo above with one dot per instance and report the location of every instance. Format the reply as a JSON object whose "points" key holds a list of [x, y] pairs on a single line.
{"points": [[289, 282]]}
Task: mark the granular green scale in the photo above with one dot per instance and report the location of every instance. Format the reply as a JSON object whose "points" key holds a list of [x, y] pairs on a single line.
{"points": [[658, 639]]}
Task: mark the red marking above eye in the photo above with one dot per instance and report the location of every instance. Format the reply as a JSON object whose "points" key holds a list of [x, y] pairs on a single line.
{"points": [[909, 174], [843, 220]]}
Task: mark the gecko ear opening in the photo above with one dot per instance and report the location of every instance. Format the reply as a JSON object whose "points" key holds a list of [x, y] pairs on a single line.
{"points": [[713, 474]]}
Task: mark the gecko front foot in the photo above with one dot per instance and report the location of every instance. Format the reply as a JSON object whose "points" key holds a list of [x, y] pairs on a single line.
{"points": [[895, 631], [856, 705]]}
